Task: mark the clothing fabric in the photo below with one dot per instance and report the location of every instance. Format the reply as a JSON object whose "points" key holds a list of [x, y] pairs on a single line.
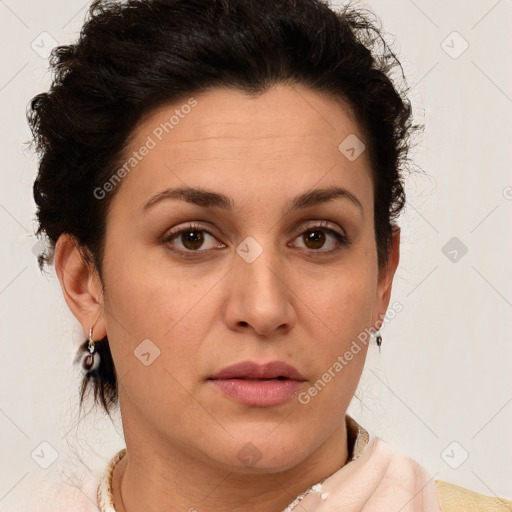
{"points": [[453, 498], [376, 478]]}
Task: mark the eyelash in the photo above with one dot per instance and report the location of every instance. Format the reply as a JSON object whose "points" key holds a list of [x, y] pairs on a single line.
{"points": [[342, 240]]}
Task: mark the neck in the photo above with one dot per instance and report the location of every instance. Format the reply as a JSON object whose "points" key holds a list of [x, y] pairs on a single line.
{"points": [[159, 476]]}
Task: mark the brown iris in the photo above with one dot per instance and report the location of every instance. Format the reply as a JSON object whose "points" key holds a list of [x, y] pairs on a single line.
{"points": [[314, 239], [192, 239]]}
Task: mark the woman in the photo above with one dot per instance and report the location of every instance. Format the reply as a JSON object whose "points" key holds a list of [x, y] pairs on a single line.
{"points": [[220, 182]]}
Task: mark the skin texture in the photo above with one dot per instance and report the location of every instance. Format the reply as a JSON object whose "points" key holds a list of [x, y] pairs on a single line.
{"points": [[297, 302]]}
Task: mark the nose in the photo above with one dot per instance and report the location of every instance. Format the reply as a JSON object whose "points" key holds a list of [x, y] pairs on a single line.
{"points": [[260, 299]]}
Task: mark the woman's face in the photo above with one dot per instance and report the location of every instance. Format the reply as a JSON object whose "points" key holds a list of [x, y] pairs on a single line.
{"points": [[277, 261]]}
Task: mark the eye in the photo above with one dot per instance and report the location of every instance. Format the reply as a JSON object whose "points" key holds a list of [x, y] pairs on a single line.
{"points": [[195, 238], [192, 238], [319, 238]]}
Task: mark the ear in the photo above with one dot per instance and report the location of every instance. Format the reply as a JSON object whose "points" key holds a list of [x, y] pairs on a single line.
{"points": [[385, 279], [81, 286]]}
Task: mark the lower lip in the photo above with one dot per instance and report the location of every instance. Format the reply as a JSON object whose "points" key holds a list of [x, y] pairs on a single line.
{"points": [[259, 393]]}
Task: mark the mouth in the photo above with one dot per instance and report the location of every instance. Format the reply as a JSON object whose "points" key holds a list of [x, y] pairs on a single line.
{"points": [[250, 370], [258, 385], [269, 378]]}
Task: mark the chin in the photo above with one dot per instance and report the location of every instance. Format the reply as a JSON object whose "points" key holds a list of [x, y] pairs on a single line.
{"points": [[260, 455]]}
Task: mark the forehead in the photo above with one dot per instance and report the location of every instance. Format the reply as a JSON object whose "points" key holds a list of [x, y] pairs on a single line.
{"points": [[287, 137]]}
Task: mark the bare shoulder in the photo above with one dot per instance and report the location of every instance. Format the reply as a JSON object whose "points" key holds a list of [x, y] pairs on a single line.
{"points": [[453, 498]]}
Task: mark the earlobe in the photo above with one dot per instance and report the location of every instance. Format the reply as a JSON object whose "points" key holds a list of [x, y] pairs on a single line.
{"points": [[80, 285]]}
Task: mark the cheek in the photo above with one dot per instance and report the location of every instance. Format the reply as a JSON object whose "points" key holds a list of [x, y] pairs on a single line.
{"points": [[148, 294], [344, 305], [343, 308], [341, 341], [154, 348], [155, 302], [342, 350]]}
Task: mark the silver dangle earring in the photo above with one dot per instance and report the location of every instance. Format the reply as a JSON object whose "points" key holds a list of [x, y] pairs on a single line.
{"points": [[378, 338], [90, 361]]}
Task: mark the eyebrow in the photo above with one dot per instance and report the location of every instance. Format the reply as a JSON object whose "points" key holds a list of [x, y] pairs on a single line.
{"points": [[208, 199]]}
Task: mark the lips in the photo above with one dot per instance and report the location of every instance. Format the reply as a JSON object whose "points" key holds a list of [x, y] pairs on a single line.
{"points": [[253, 371], [258, 385]]}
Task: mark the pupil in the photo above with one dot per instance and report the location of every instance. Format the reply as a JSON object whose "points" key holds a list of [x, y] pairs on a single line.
{"points": [[192, 239], [315, 239]]}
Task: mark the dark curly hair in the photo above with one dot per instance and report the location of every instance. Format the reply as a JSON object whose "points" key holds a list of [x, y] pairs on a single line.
{"points": [[132, 57]]}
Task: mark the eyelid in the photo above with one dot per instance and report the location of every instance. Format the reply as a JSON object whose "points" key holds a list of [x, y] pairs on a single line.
{"points": [[342, 240], [189, 226], [195, 225], [324, 224], [334, 228]]}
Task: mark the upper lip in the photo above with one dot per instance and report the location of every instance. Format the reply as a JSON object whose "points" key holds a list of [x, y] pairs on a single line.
{"points": [[252, 370]]}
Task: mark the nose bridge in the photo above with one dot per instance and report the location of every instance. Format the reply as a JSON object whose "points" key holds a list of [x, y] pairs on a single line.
{"points": [[260, 296], [258, 268]]}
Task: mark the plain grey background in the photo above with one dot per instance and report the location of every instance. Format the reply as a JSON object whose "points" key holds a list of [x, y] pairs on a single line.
{"points": [[441, 389]]}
